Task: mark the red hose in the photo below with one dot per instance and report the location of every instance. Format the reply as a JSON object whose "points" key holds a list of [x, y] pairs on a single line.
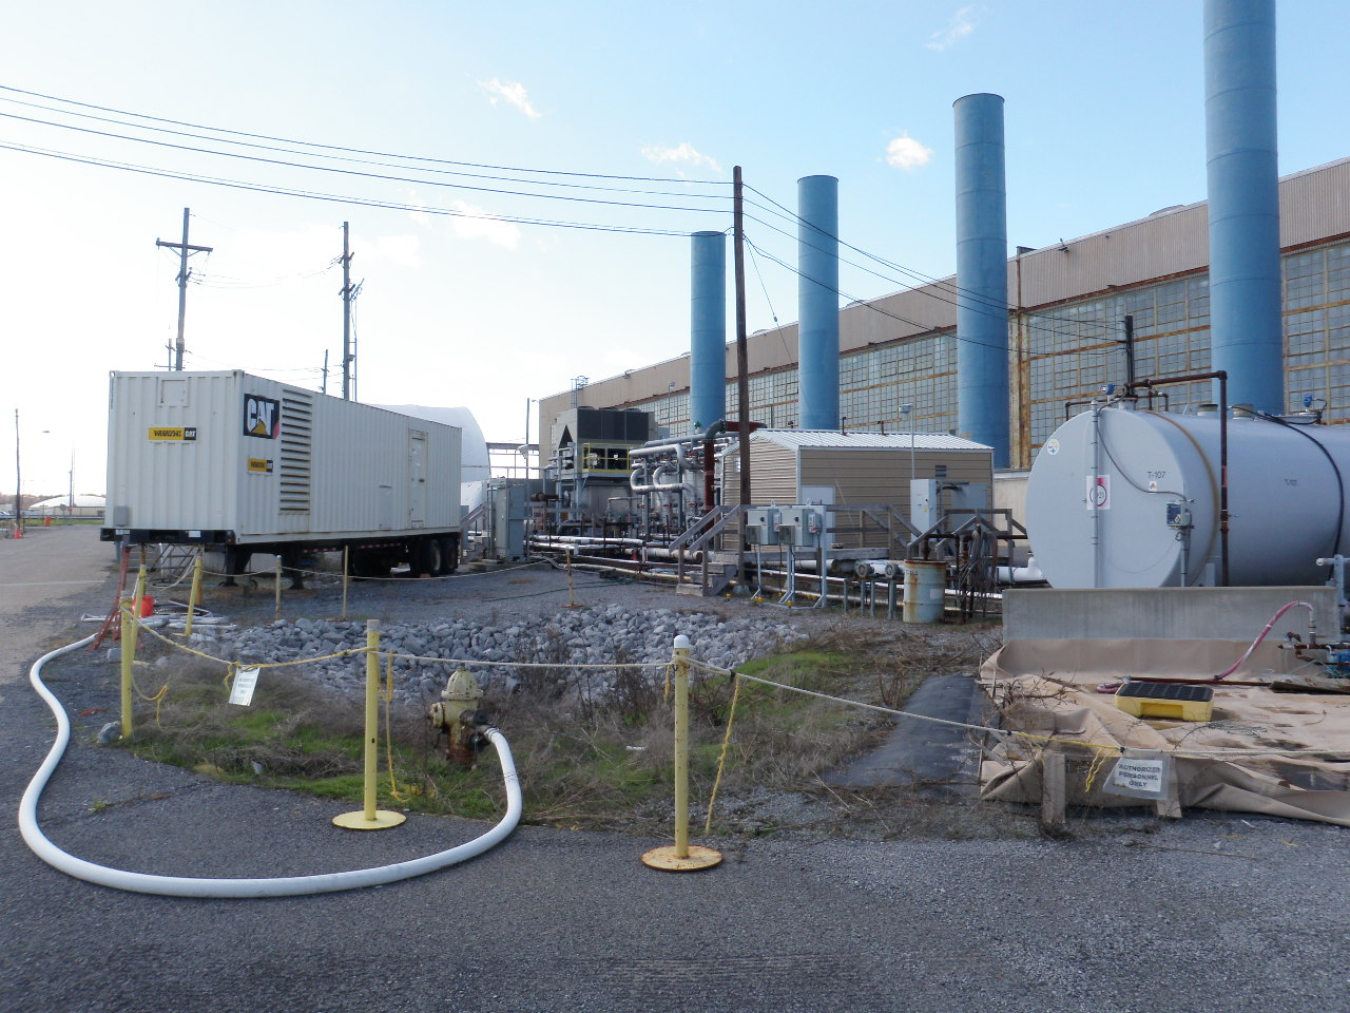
{"points": [[1312, 617]]}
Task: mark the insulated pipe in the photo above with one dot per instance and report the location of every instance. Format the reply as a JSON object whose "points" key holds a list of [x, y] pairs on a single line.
{"points": [[666, 448], [1246, 324], [982, 274], [708, 329], [185, 886], [818, 301]]}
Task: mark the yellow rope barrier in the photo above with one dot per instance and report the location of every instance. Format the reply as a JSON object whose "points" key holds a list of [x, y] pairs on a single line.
{"points": [[722, 757], [1013, 733], [532, 664], [387, 695]]}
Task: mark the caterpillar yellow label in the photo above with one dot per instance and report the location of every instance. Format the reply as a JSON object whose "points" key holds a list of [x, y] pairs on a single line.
{"points": [[177, 434], [259, 466]]}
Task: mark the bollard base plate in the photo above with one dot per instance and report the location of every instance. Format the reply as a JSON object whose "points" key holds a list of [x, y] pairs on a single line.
{"points": [[357, 821], [666, 859]]}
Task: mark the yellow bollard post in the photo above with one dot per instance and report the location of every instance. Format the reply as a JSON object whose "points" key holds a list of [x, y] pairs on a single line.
{"points": [[195, 595], [683, 857], [346, 571], [128, 647], [137, 596], [371, 818]]}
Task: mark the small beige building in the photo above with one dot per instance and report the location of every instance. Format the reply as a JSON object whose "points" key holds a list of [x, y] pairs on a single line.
{"points": [[799, 466]]}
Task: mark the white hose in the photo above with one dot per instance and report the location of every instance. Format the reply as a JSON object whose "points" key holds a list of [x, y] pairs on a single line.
{"points": [[290, 886]]}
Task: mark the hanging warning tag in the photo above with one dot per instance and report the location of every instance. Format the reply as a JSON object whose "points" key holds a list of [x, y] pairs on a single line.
{"points": [[245, 681]]}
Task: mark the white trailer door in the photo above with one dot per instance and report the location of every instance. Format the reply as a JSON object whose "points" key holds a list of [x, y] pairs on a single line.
{"points": [[417, 478]]}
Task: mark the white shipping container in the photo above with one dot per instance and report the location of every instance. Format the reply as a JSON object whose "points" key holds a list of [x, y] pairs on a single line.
{"points": [[229, 458]]}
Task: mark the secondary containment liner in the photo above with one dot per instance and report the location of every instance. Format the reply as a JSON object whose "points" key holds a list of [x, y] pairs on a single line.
{"points": [[1297, 763]]}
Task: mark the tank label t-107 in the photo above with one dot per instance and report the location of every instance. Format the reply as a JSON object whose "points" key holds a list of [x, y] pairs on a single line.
{"points": [[262, 417], [178, 434]]}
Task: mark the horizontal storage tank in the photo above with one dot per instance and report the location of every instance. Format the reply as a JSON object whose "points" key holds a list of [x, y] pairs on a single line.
{"points": [[1120, 497]]}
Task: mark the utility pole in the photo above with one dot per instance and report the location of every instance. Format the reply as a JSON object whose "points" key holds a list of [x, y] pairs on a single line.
{"points": [[18, 479], [346, 316], [324, 388], [183, 274], [1128, 342], [742, 370]]}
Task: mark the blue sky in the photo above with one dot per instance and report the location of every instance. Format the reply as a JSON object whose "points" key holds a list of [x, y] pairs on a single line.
{"points": [[1104, 116]]}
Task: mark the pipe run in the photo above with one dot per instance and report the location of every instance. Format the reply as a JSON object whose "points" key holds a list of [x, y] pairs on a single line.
{"points": [[186, 886]]}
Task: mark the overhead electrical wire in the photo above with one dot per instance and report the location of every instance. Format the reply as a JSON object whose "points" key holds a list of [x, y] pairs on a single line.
{"points": [[871, 305], [335, 198], [931, 286], [358, 151], [358, 161], [356, 172], [964, 294]]}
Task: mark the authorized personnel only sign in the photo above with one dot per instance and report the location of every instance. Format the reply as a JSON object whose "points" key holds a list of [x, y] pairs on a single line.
{"points": [[241, 690], [1140, 777]]}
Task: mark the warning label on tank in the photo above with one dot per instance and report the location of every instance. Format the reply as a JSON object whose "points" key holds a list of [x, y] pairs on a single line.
{"points": [[1099, 492], [176, 434], [259, 466]]}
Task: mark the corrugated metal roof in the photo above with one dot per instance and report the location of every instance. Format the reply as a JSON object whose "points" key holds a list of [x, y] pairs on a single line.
{"points": [[865, 441]]}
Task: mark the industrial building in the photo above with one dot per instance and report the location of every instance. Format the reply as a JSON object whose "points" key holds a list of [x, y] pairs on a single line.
{"points": [[1066, 332]]}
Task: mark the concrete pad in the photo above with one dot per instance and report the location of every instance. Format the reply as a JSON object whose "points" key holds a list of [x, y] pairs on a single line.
{"points": [[936, 759], [1166, 613]]}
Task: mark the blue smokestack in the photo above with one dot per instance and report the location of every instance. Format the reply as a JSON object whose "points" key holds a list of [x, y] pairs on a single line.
{"points": [[1246, 325], [818, 301], [708, 329], [982, 274]]}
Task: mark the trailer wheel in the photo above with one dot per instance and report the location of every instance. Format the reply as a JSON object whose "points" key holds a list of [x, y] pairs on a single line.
{"points": [[430, 557], [449, 554]]}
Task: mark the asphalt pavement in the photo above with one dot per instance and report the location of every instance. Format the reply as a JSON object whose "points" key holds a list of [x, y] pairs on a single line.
{"points": [[1204, 914]]}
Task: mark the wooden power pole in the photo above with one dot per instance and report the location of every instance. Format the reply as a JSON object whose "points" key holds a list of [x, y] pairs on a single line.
{"points": [[742, 368], [346, 315], [183, 274]]}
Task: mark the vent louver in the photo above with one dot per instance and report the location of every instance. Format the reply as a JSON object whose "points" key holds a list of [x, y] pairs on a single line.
{"points": [[297, 436]]}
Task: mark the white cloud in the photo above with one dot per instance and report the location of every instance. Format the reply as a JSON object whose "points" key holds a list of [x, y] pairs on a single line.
{"points": [[685, 152], [906, 153], [475, 223], [403, 251], [512, 92], [962, 26]]}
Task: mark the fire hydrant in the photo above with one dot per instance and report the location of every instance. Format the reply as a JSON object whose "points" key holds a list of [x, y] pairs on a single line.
{"points": [[457, 715]]}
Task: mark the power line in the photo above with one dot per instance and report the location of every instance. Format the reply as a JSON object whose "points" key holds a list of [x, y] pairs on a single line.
{"points": [[334, 198], [356, 172], [874, 308], [361, 161], [927, 290], [356, 151], [928, 281]]}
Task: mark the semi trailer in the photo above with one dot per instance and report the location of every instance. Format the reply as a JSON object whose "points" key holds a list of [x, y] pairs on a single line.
{"points": [[241, 464]]}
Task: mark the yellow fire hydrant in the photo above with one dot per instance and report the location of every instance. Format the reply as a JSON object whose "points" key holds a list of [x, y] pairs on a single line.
{"points": [[459, 698]]}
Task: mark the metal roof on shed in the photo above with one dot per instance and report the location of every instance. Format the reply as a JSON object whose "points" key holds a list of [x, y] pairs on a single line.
{"points": [[829, 440]]}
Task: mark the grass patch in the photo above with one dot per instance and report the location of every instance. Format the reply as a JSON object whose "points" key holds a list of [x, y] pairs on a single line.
{"points": [[586, 758]]}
